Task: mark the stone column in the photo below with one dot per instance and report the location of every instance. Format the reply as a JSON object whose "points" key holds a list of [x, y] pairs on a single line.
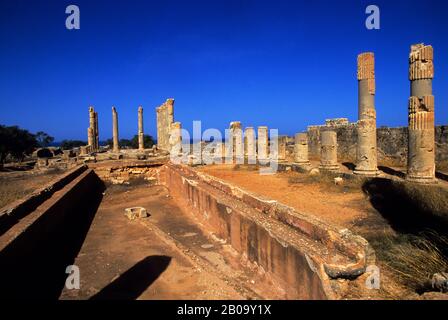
{"points": [[165, 118], [251, 148], [328, 151], [91, 129], [141, 144], [301, 148], [366, 163], [176, 139], [421, 155], [97, 137], [116, 147], [238, 145], [263, 144], [282, 148]]}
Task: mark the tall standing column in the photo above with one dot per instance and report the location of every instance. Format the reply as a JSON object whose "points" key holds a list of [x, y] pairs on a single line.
{"points": [[97, 137], [421, 156], [282, 148], [329, 151], [262, 141], [91, 129], [301, 148], [367, 146], [237, 138], [116, 147], [141, 144], [251, 148]]}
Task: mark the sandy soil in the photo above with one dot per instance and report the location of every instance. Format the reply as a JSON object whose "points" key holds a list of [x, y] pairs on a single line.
{"points": [[164, 256], [17, 184], [335, 204]]}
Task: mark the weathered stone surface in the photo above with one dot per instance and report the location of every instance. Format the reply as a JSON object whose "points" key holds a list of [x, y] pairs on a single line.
{"points": [[366, 151], [329, 153], [165, 118], [263, 143], [301, 148], [282, 148], [421, 64], [234, 144], [92, 131], [251, 148], [141, 144], [421, 145], [135, 213], [115, 138], [176, 141]]}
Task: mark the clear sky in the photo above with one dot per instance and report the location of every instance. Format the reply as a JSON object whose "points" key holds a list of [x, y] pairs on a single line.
{"points": [[284, 64]]}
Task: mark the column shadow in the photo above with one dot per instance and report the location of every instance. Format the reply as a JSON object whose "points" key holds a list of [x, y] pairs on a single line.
{"points": [[132, 283]]}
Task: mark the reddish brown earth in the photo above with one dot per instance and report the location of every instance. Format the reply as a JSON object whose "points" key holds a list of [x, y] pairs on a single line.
{"points": [[334, 204], [15, 185], [164, 256]]}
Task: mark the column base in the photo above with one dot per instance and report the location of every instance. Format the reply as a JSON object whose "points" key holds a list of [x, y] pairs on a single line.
{"points": [[329, 167], [421, 180], [367, 173]]}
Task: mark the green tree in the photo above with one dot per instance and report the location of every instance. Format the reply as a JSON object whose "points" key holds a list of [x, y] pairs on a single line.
{"points": [[70, 144], [43, 139], [16, 143], [148, 141]]}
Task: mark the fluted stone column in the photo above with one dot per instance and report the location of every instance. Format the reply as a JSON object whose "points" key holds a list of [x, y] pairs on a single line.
{"points": [[421, 155], [116, 146], [282, 148], [301, 148], [251, 149], [176, 139], [91, 129], [141, 143], [262, 142], [328, 151], [367, 163], [236, 134]]}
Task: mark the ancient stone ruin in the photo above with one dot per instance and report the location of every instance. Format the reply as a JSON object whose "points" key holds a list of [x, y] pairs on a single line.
{"points": [[165, 118], [366, 151], [421, 156]]}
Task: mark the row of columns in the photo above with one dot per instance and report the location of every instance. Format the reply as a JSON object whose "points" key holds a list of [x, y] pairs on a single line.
{"points": [[421, 145], [92, 131]]}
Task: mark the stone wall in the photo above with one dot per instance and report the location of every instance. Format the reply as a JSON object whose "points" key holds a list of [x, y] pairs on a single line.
{"points": [[392, 144], [165, 118], [291, 247]]}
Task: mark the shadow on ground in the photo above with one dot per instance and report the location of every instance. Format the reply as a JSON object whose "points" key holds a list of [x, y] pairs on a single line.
{"points": [[33, 265], [132, 283], [409, 208]]}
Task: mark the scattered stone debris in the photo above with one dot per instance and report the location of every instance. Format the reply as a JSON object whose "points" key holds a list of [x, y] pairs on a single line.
{"points": [[135, 212], [338, 181], [439, 281]]}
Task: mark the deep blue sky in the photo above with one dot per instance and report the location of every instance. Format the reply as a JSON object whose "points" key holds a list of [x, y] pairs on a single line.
{"points": [[285, 64]]}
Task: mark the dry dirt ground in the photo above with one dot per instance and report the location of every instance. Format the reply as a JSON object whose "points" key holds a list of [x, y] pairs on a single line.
{"points": [[17, 184], [182, 262]]}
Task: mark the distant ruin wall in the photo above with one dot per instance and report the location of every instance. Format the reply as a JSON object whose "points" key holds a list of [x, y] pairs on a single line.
{"points": [[392, 144]]}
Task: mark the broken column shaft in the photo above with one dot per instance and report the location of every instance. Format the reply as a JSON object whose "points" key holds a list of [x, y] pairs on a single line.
{"points": [[366, 163], [116, 146], [141, 143], [301, 148], [92, 131], [328, 151], [421, 155], [251, 149], [263, 143], [236, 134], [282, 148]]}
